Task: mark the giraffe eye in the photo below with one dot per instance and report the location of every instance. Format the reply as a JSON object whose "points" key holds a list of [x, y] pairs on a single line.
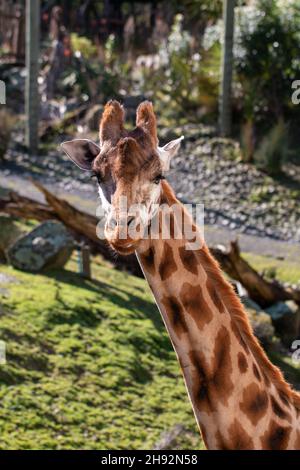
{"points": [[158, 178]]}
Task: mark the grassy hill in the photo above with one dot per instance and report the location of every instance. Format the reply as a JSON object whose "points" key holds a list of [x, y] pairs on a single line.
{"points": [[89, 364]]}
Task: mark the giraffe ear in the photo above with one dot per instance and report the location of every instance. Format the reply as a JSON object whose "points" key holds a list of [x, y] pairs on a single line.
{"points": [[168, 151], [82, 152], [111, 124], [146, 119]]}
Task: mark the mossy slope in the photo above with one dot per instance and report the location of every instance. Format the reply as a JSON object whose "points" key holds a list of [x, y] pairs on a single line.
{"points": [[89, 364]]}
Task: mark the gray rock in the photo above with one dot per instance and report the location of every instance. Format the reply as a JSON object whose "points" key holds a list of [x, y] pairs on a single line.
{"points": [[47, 246], [262, 326], [286, 319], [8, 279]]}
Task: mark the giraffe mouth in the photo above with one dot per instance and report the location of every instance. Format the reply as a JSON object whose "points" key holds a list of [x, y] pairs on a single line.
{"points": [[125, 247]]}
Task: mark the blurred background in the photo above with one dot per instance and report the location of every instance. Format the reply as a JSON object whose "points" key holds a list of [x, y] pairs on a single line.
{"points": [[85, 361]]}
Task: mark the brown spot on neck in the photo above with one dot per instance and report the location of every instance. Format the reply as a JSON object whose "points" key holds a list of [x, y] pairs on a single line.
{"points": [[212, 383], [147, 258], [237, 439], [189, 260], [175, 314], [167, 264], [297, 443], [242, 362], [276, 437], [254, 403], [222, 366], [279, 411], [195, 305]]}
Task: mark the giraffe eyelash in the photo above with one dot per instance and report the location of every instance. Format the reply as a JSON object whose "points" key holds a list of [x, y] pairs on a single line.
{"points": [[98, 177], [158, 178]]}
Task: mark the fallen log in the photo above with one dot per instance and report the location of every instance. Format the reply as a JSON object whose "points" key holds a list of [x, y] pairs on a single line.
{"points": [[21, 206], [259, 289], [83, 227], [81, 224]]}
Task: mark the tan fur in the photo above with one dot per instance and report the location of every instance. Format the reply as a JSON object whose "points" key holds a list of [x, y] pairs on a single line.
{"points": [[145, 118], [111, 126]]}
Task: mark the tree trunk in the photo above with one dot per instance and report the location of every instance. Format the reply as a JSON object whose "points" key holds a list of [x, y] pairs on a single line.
{"points": [[32, 67], [262, 291], [226, 68]]}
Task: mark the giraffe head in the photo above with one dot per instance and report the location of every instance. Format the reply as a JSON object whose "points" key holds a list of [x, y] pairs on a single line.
{"points": [[129, 167]]}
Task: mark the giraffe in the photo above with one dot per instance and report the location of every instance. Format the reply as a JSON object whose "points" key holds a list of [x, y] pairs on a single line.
{"points": [[239, 398]]}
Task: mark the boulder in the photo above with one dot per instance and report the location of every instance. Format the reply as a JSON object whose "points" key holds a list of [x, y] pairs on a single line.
{"points": [[286, 319], [47, 246], [262, 326], [10, 232], [259, 319]]}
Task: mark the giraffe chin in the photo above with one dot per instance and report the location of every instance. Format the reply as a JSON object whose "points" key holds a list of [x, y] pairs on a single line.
{"points": [[124, 247]]}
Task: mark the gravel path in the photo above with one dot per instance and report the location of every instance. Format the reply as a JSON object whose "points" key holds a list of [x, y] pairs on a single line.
{"points": [[236, 195]]}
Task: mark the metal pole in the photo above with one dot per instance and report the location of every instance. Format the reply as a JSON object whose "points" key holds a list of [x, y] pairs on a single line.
{"points": [[32, 68]]}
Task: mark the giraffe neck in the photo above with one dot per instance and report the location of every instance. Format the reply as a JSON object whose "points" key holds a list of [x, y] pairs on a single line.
{"points": [[239, 398]]}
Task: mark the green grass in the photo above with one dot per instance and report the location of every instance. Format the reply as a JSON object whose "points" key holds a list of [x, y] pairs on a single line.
{"points": [[89, 364], [285, 271], [290, 368]]}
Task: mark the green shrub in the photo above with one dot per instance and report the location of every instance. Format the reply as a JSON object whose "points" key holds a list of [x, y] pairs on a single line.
{"points": [[99, 79], [182, 77], [266, 61], [83, 45], [267, 58]]}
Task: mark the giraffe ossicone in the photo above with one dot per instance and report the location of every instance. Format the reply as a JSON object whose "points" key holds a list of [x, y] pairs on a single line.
{"points": [[239, 398]]}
